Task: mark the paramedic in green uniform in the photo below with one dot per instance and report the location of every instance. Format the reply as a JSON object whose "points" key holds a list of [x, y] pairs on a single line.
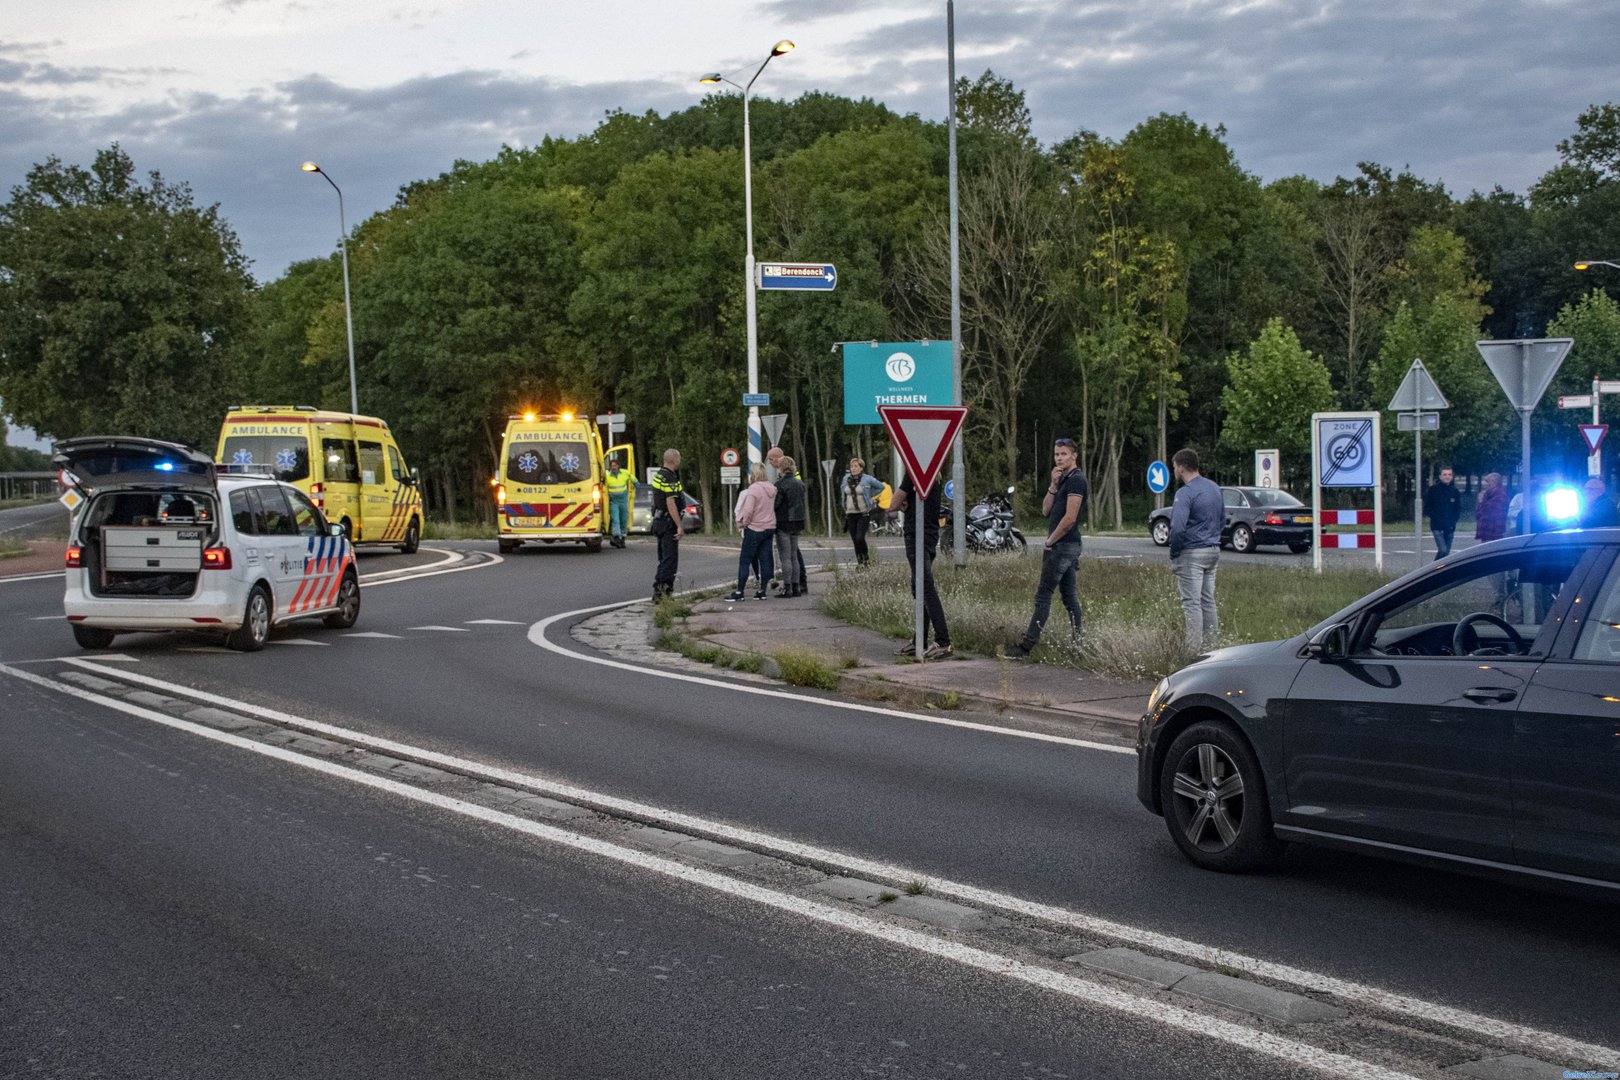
{"points": [[618, 483]]}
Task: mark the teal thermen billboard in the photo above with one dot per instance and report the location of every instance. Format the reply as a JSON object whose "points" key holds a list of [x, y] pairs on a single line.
{"points": [[894, 373]]}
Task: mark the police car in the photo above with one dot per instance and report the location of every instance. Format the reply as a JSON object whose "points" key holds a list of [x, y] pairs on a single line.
{"points": [[164, 541]]}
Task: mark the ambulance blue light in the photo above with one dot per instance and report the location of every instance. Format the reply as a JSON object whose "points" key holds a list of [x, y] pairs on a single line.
{"points": [[1563, 504], [165, 466]]}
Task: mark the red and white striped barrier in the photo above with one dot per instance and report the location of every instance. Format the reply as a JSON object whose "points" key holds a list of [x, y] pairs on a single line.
{"points": [[1348, 517], [1348, 540]]}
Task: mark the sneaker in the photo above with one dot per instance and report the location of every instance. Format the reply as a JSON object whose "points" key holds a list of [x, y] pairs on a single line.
{"points": [[735, 595], [760, 595], [939, 652], [1017, 651], [908, 649]]}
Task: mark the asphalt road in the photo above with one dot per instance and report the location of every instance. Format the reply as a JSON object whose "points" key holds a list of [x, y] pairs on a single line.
{"points": [[31, 522], [183, 908]]}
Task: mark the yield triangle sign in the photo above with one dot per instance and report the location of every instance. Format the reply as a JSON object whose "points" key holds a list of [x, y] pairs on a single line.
{"points": [[923, 435], [1524, 368], [1593, 434], [1418, 392]]}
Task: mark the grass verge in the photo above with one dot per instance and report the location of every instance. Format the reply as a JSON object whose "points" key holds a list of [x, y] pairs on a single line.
{"points": [[11, 548], [801, 667], [1133, 622], [459, 530]]}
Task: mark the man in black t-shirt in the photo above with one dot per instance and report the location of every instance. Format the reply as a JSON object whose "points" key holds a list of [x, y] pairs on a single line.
{"points": [[1065, 496], [668, 497], [905, 500]]}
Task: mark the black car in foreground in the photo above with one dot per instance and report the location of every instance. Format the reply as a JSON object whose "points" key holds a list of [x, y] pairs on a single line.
{"points": [[1254, 516], [1466, 715]]}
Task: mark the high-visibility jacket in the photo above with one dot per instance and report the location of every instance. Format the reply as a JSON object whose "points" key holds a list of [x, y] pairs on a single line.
{"points": [[617, 483]]}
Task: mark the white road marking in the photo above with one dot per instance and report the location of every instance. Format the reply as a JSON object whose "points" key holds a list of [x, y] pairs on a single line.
{"points": [[1060, 982], [537, 635], [391, 578], [33, 577], [493, 622], [445, 629], [375, 634], [49, 618], [450, 555], [300, 641], [1356, 993]]}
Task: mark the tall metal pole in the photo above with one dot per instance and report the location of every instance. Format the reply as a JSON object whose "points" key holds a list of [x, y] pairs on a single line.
{"points": [[1524, 433], [958, 469], [1417, 513], [756, 435], [348, 309]]}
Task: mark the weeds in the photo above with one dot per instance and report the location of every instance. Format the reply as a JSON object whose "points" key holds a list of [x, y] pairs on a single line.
{"points": [[801, 667], [750, 662], [916, 887], [950, 699], [1133, 623], [458, 530], [886, 897], [9, 547], [667, 609]]}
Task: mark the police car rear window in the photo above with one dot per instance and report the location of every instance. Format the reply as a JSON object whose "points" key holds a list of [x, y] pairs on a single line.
{"points": [[564, 462], [287, 456]]}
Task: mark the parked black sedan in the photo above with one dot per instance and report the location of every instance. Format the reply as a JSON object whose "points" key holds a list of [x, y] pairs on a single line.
{"points": [[1254, 516], [1466, 715]]}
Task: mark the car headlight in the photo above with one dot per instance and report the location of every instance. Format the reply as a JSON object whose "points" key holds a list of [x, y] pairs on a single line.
{"points": [[1158, 692]]}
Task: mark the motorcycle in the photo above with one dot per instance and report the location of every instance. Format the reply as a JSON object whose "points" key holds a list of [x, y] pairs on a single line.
{"points": [[990, 528]]}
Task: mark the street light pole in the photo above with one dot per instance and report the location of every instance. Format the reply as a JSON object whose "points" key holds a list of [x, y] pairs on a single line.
{"points": [[756, 435], [348, 309], [1587, 264]]}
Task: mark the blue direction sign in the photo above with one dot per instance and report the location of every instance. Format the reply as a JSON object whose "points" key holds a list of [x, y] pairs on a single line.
{"points": [[759, 400], [1158, 477], [950, 489], [817, 277]]}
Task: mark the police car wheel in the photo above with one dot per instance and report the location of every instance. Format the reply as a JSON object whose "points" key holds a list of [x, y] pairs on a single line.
{"points": [[413, 538], [255, 629], [348, 603], [92, 637]]}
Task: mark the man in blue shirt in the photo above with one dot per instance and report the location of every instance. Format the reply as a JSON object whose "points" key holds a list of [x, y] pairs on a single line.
{"points": [[1065, 495], [1195, 547]]}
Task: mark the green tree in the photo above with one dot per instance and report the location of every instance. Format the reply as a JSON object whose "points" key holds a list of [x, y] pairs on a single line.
{"points": [[1275, 387], [124, 307]]}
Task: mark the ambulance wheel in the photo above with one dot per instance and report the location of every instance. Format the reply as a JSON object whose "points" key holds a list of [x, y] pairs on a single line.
{"points": [[413, 538], [594, 544], [348, 530], [348, 602], [92, 637], [509, 546], [255, 629]]}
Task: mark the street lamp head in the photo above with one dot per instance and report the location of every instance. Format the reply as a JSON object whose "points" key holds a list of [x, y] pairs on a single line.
{"points": [[711, 78], [310, 166], [782, 48]]}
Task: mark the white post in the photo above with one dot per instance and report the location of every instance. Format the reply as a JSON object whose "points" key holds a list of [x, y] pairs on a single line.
{"points": [[958, 468], [756, 449]]}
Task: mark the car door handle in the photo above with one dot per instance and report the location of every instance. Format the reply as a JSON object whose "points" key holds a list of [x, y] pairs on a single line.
{"points": [[1490, 693]]}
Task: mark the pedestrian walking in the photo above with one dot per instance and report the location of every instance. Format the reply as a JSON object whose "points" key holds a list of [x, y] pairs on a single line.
{"points": [[791, 499], [618, 483], [1491, 510], [1195, 547], [859, 492], [668, 495], [933, 610], [1060, 560], [756, 514], [1443, 503]]}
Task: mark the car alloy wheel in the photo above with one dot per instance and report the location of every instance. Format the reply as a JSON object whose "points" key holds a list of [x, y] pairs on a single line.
{"points": [[348, 603], [1161, 532], [255, 629], [1214, 800], [1242, 539]]}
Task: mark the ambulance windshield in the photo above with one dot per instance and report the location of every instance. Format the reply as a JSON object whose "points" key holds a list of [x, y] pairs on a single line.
{"points": [[563, 461], [287, 455]]}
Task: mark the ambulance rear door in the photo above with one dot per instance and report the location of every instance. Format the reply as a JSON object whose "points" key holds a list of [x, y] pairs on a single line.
{"points": [[340, 479]]}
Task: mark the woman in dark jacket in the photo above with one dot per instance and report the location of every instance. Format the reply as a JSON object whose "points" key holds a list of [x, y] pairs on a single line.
{"points": [[1491, 510], [790, 513]]}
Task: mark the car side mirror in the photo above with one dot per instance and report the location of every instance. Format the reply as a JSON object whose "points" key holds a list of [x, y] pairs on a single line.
{"points": [[334, 528], [1330, 644]]}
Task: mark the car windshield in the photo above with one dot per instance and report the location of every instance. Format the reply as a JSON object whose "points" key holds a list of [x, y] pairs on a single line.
{"points": [[1271, 497], [286, 456]]}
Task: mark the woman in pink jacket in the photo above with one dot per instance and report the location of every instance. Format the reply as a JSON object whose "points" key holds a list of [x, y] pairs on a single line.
{"points": [[756, 513]]}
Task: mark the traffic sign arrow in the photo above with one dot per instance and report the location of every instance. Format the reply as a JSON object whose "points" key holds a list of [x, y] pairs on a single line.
{"points": [[1593, 434], [923, 435], [1158, 477]]}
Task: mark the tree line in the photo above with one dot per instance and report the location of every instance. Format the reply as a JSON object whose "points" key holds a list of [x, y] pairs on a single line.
{"points": [[1137, 294]]}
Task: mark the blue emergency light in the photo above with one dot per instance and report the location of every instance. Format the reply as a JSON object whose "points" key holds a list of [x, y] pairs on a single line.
{"points": [[165, 466], [1563, 504]]}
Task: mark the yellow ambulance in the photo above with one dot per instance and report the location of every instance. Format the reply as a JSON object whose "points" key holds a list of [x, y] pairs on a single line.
{"points": [[548, 485], [350, 467]]}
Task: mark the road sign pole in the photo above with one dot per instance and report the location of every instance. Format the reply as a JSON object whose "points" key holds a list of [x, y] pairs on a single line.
{"points": [[958, 468], [1417, 514], [1594, 462]]}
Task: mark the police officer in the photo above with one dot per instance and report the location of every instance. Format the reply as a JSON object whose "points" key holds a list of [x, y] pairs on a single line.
{"points": [[666, 522], [617, 482]]}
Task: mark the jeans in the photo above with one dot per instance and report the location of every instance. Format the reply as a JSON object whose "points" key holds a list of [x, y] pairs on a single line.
{"points": [[856, 525], [1058, 567], [933, 610], [618, 515], [756, 550], [1442, 542], [1195, 581], [787, 547]]}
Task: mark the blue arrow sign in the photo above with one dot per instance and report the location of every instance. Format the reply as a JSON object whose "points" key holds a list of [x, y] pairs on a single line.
{"points": [[1158, 477], [817, 277]]}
